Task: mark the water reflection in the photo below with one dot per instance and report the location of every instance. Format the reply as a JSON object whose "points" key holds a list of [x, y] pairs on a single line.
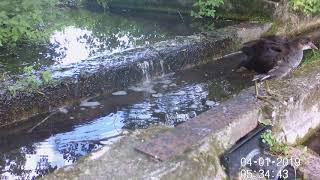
{"points": [[59, 150], [74, 44], [81, 34], [172, 107]]}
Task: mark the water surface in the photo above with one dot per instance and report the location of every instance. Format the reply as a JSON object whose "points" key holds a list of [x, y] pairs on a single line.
{"points": [[75, 131]]}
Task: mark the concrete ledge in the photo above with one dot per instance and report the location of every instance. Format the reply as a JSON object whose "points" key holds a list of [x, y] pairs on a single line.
{"points": [[122, 161], [301, 112], [110, 73]]}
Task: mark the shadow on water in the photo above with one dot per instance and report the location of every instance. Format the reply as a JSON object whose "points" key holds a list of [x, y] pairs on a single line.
{"points": [[76, 131], [81, 34]]}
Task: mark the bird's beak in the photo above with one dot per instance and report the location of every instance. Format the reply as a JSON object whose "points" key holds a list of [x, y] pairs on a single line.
{"points": [[313, 46]]}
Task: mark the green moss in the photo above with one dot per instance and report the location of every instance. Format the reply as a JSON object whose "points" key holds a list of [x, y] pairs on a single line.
{"points": [[274, 28], [311, 57], [243, 17], [306, 6]]}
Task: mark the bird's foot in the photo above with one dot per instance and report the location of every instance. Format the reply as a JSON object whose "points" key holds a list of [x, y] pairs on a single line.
{"points": [[264, 98], [271, 93], [275, 96]]}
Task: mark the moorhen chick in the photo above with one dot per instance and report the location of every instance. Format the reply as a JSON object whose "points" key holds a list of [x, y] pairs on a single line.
{"points": [[273, 57]]}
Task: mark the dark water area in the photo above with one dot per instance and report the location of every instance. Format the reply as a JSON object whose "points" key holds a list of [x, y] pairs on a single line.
{"points": [[78, 130], [80, 34], [313, 142]]}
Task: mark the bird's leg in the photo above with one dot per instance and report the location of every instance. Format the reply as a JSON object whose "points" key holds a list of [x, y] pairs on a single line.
{"points": [[269, 92], [256, 88], [263, 98], [273, 95]]}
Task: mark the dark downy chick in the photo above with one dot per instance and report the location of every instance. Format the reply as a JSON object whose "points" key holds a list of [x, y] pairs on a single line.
{"points": [[274, 57]]}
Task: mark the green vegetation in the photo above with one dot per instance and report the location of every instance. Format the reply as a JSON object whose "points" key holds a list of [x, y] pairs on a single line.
{"points": [[306, 6], [29, 81], [274, 145], [311, 56], [206, 8], [22, 21], [46, 77]]}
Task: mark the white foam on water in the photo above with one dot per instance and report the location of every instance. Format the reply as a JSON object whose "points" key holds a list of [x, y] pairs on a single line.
{"points": [[120, 93], [180, 93], [193, 106], [162, 67], [157, 95], [144, 87], [86, 103], [211, 103], [145, 67]]}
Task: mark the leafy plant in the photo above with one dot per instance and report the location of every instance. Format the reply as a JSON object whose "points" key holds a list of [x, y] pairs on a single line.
{"points": [[206, 8], [46, 77], [274, 145], [311, 56], [29, 81], [22, 21], [306, 6], [13, 90]]}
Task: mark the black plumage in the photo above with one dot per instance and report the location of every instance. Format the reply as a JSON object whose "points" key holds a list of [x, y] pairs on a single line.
{"points": [[274, 57]]}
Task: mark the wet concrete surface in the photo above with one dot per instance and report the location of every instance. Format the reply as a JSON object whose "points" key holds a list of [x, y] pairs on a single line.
{"points": [[76, 130]]}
